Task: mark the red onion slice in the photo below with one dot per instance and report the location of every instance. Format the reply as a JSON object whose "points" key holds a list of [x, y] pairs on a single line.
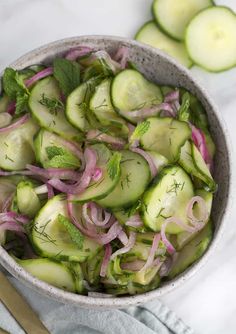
{"points": [[11, 108], [79, 52], [152, 111], [199, 140], [16, 124], [122, 236], [148, 158], [11, 226], [40, 75], [169, 246], [48, 173], [134, 221], [106, 259], [172, 96], [97, 135], [122, 56], [127, 247], [94, 214], [200, 222], [7, 203], [50, 191], [97, 174], [153, 249]]}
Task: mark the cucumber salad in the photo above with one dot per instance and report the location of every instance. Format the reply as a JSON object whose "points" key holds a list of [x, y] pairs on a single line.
{"points": [[106, 180]]}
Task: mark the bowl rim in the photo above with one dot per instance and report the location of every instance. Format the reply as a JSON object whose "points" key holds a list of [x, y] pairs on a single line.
{"points": [[120, 302]]}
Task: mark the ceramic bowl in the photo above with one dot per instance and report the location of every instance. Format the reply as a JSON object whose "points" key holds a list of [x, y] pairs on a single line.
{"points": [[162, 69]]}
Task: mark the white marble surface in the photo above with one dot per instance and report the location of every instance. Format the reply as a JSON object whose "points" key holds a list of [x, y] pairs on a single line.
{"points": [[208, 301]]}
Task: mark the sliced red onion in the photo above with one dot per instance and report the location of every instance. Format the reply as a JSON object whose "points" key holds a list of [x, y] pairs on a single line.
{"points": [[16, 124], [167, 265], [148, 158], [103, 137], [11, 216], [152, 253], [105, 261], [122, 56], [50, 191], [199, 140], [11, 226], [122, 236], [169, 246], [5, 119], [40, 75], [136, 265], [49, 173], [7, 203], [172, 96], [79, 52], [77, 188], [11, 108], [127, 247], [17, 172], [94, 214], [97, 174], [134, 221], [151, 111], [200, 222]]}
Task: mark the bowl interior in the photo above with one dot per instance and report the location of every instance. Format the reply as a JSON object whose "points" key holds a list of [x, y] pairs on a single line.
{"points": [[161, 69]]}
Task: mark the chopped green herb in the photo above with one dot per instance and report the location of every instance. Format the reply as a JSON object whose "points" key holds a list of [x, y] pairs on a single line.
{"points": [[184, 111], [74, 233], [53, 105], [140, 130], [21, 103], [113, 165]]}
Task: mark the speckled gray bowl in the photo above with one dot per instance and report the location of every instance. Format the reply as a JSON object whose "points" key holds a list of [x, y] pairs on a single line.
{"points": [[161, 69]]}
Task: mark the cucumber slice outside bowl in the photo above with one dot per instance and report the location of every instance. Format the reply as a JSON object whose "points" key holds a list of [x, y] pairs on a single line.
{"points": [[173, 16], [152, 35], [211, 39]]}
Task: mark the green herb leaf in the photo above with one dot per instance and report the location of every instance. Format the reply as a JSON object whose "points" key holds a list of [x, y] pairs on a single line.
{"points": [[21, 103], [74, 233], [140, 130], [54, 105], [184, 111], [113, 165], [67, 74], [61, 158], [198, 114], [12, 84]]}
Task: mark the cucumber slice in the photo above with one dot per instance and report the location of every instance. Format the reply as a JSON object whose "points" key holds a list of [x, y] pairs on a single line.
{"points": [[150, 34], [168, 196], [4, 101], [103, 187], [91, 268], [51, 239], [192, 251], [76, 270], [28, 201], [210, 144], [135, 176], [173, 16], [130, 91], [101, 106], [159, 160], [166, 136], [54, 121], [183, 238], [211, 39], [49, 271], [77, 104], [5, 119], [192, 161], [45, 143], [17, 146]]}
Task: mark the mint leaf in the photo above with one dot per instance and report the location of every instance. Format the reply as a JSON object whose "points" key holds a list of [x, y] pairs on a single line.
{"points": [[12, 84], [52, 151], [67, 74], [74, 233], [61, 158], [21, 103], [140, 130], [184, 111], [113, 165]]}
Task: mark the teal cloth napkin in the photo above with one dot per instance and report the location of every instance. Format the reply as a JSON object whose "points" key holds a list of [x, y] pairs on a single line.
{"points": [[150, 318]]}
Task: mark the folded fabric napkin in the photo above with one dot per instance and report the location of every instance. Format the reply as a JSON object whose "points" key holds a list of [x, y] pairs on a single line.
{"points": [[150, 318]]}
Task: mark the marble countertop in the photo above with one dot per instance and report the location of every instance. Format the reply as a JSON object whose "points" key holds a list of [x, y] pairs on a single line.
{"points": [[208, 301]]}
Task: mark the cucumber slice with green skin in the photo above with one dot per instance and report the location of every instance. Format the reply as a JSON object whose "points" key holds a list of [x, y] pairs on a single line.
{"points": [[76, 270], [123, 216], [28, 201], [51, 239], [46, 140], [173, 16], [49, 271], [104, 186], [77, 104], [130, 90], [4, 101], [183, 238], [192, 161], [211, 39], [192, 251], [165, 136], [210, 144], [101, 106], [17, 146], [135, 176], [168, 196], [91, 268], [159, 160], [54, 120], [150, 34]]}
